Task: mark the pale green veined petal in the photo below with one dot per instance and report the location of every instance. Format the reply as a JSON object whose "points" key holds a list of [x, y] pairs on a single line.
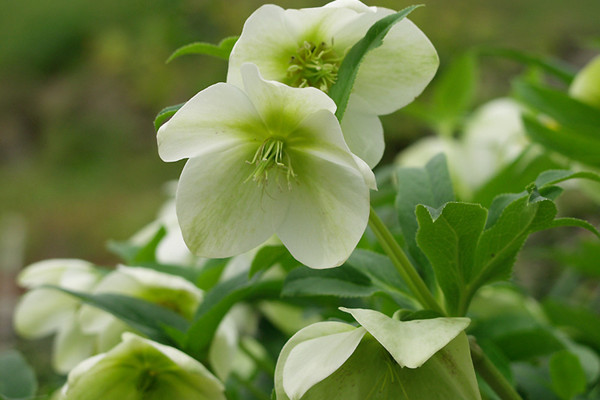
{"points": [[314, 360], [329, 211], [392, 75], [282, 107], [221, 211], [364, 134], [310, 332], [43, 311], [411, 343], [50, 272], [224, 347], [71, 346], [265, 40], [217, 118]]}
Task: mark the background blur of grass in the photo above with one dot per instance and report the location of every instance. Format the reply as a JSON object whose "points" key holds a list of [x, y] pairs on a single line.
{"points": [[81, 80]]}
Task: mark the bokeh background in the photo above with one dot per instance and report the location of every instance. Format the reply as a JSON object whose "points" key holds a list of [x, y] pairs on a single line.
{"points": [[81, 81]]}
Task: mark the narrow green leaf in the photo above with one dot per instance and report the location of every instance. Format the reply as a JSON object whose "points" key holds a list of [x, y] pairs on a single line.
{"points": [[569, 221], [568, 377], [559, 69], [552, 177], [17, 378], [341, 89], [449, 237], [165, 114], [268, 256], [566, 142], [579, 118], [144, 316], [339, 282], [222, 50], [378, 268], [454, 92], [218, 301], [430, 186]]}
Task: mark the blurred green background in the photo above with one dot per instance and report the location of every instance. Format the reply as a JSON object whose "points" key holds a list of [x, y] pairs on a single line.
{"points": [[81, 81]]}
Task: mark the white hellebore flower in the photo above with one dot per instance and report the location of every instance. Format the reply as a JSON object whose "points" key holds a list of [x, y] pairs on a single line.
{"points": [[43, 311], [306, 47], [269, 159], [382, 358], [139, 369]]}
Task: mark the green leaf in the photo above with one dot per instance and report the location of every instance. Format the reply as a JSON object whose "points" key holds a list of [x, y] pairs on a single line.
{"points": [[341, 89], [449, 236], [528, 344], [222, 50], [454, 92], [343, 281], [552, 177], [581, 119], [430, 186], [165, 114], [268, 256], [218, 301], [144, 316], [17, 378], [379, 269], [582, 324], [568, 377], [560, 70]]}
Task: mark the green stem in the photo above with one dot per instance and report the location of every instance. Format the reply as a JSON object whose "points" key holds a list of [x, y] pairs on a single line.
{"points": [[488, 371], [402, 263]]}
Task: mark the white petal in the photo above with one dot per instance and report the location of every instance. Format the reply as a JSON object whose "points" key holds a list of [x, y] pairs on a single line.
{"points": [[352, 4], [266, 40], [310, 332], [50, 272], [364, 134], [221, 212], [71, 346], [282, 107], [411, 343], [314, 360], [328, 213], [217, 118], [43, 311], [392, 75], [224, 347]]}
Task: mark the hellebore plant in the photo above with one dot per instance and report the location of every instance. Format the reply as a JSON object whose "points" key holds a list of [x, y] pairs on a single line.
{"points": [[268, 159], [306, 47]]}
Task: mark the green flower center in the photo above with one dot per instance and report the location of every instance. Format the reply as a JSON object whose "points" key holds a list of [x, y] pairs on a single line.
{"points": [[314, 65], [271, 155]]}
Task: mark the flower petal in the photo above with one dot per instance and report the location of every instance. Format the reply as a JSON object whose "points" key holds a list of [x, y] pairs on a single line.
{"points": [[71, 346], [364, 134], [51, 272], [43, 311], [220, 211], [411, 343], [310, 332], [282, 107], [329, 211], [216, 118], [314, 360], [392, 75]]}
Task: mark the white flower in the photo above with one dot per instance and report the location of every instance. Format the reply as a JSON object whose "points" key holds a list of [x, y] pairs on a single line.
{"points": [[382, 358], [269, 159], [139, 368], [305, 47], [44, 311]]}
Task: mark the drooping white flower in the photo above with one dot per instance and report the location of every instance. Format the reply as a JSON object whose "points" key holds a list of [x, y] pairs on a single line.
{"points": [[44, 311], [139, 368], [306, 47], [381, 358], [269, 159]]}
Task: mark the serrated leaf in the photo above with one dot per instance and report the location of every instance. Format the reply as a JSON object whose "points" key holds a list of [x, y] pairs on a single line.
{"points": [[568, 377], [17, 378], [430, 186], [165, 114], [221, 50], [341, 89], [343, 281], [218, 301], [144, 316], [454, 92], [449, 237]]}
